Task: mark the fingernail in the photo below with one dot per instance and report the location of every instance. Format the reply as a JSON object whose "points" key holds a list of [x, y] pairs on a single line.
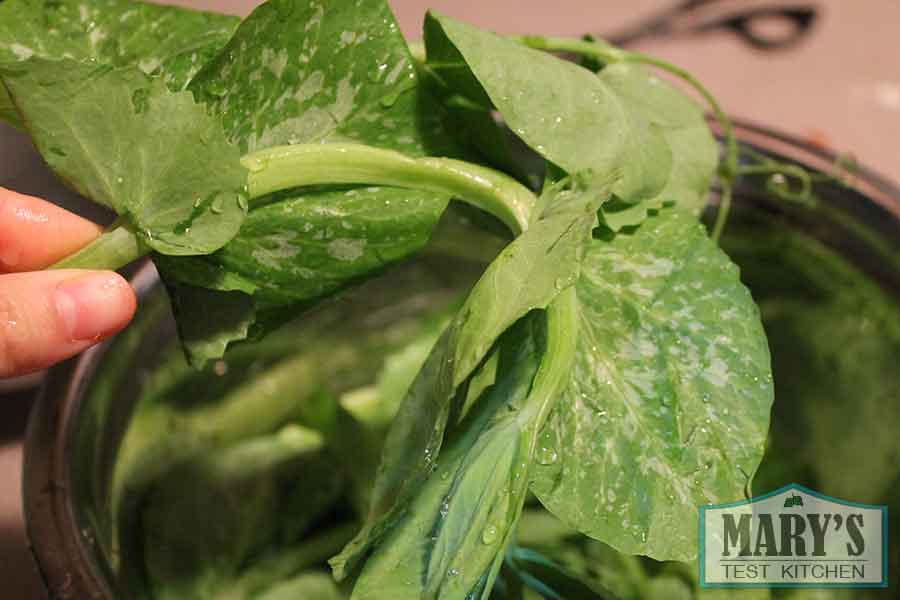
{"points": [[91, 306]]}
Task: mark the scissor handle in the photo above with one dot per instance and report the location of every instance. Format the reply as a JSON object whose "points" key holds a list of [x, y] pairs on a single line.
{"points": [[682, 19], [799, 18]]}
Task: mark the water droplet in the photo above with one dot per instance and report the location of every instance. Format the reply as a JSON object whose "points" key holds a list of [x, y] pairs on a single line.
{"points": [[547, 455], [119, 180], [218, 205], [445, 507], [706, 398], [255, 164], [489, 535], [453, 572]]}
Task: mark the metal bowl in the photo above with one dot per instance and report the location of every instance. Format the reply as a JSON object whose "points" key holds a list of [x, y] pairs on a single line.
{"points": [[77, 425]]}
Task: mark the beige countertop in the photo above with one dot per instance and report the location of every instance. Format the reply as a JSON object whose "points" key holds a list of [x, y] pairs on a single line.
{"points": [[840, 88]]}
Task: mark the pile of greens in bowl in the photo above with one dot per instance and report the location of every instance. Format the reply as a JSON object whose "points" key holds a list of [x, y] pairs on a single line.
{"points": [[517, 357]]}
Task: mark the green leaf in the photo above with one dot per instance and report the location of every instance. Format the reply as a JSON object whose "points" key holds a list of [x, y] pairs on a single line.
{"points": [[125, 141], [308, 246], [297, 73], [208, 320], [451, 535], [527, 275], [694, 150], [668, 406], [156, 39], [450, 540], [570, 116]]}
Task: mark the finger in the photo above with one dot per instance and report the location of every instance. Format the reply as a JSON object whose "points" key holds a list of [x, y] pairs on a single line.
{"points": [[48, 316], [34, 233]]}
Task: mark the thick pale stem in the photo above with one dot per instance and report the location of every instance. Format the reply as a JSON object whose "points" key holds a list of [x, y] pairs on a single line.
{"points": [[285, 167], [114, 249]]}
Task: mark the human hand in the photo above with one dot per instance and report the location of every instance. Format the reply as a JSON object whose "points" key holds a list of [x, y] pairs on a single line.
{"points": [[48, 316]]}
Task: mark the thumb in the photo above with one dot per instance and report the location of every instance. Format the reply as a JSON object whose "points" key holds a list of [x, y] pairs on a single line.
{"points": [[48, 316]]}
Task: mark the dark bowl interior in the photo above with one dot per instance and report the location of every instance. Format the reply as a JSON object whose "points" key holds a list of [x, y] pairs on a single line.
{"points": [[79, 421]]}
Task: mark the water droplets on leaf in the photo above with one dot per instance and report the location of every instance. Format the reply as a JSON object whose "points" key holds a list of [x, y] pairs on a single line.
{"points": [[217, 206], [547, 455], [489, 535]]}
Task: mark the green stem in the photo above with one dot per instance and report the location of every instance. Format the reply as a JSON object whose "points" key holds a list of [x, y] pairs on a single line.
{"points": [[595, 49], [803, 196], [722, 213], [285, 167], [114, 249], [559, 357]]}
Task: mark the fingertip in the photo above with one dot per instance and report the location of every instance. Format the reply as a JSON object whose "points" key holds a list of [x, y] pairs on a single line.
{"points": [[94, 305], [35, 233], [48, 316]]}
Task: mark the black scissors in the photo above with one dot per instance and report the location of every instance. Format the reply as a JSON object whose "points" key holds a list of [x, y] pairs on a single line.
{"points": [[690, 17]]}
